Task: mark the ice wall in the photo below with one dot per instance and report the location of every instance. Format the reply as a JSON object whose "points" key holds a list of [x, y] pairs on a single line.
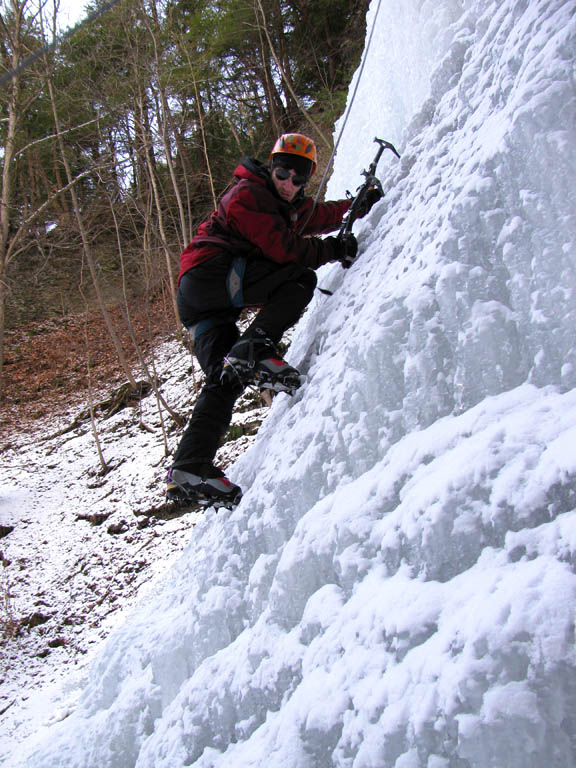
{"points": [[397, 588], [404, 44], [482, 211]]}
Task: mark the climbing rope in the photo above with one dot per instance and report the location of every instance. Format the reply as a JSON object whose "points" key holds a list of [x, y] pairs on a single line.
{"points": [[346, 116]]}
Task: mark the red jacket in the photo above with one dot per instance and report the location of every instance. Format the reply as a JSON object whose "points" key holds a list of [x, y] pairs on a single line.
{"points": [[253, 221]]}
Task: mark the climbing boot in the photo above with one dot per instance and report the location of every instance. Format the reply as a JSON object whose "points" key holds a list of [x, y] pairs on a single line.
{"points": [[256, 361], [201, 484]]}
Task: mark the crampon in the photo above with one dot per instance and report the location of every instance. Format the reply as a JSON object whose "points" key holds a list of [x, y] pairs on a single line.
{"points": [[208, 487]]}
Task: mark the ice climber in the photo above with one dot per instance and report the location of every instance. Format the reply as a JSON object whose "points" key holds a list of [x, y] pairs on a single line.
{"points": [[254, 250]]}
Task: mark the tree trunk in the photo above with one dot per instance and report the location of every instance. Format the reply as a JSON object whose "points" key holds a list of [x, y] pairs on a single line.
{"points": [[147, 150], [163, 118], [8, 167], [87, 250]]}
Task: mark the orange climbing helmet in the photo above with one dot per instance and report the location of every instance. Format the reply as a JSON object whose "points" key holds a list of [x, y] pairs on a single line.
{"points": [[295, 144]]}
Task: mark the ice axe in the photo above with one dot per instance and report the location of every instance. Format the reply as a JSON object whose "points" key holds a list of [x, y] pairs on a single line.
{"points": [[371, 182]]}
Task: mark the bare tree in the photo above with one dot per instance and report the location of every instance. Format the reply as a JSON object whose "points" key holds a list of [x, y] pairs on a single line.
{"points": [[282, 64], [13, 49], [20, 21], [86, 247]]}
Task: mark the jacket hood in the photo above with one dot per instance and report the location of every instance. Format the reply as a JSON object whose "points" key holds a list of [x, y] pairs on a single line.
{"points": [[254, 170]]}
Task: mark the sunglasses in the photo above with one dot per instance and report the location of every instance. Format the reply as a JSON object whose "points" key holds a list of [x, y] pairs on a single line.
{"points": [[283, 174]]}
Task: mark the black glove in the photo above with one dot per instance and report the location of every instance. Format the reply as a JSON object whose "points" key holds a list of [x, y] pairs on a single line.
{"points": [[372, 196], [347, 249]]}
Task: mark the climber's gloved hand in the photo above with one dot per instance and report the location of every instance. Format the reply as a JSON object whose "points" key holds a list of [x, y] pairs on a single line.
{"points": [[372, 196], [347, 249]]}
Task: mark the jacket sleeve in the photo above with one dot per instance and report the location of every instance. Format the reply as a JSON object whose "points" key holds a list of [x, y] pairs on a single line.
{"points": [[326, 217], [260, 222]]}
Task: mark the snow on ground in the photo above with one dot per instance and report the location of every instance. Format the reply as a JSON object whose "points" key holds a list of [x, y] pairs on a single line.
{"points": [[85, 543], [397, 588]]}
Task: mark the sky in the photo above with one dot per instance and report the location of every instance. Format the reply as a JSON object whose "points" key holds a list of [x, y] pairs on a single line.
{"points": [[71, 11]]}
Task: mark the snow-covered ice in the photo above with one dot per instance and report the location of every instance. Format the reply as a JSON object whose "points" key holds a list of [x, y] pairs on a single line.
{"points": [[397, 587]]}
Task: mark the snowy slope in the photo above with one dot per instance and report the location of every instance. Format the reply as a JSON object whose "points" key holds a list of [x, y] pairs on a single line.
{"points": [[397, 588]]}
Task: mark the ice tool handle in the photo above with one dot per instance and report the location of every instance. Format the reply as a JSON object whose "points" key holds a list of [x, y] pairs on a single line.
{"points": [[370, 182]]}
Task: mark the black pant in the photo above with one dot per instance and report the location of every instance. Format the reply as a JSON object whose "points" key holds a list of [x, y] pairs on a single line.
{"points": [[210, 299]]}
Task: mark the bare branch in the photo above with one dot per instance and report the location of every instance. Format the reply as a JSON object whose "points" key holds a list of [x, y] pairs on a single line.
{"points": [[55, 135], [12, 251]]}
